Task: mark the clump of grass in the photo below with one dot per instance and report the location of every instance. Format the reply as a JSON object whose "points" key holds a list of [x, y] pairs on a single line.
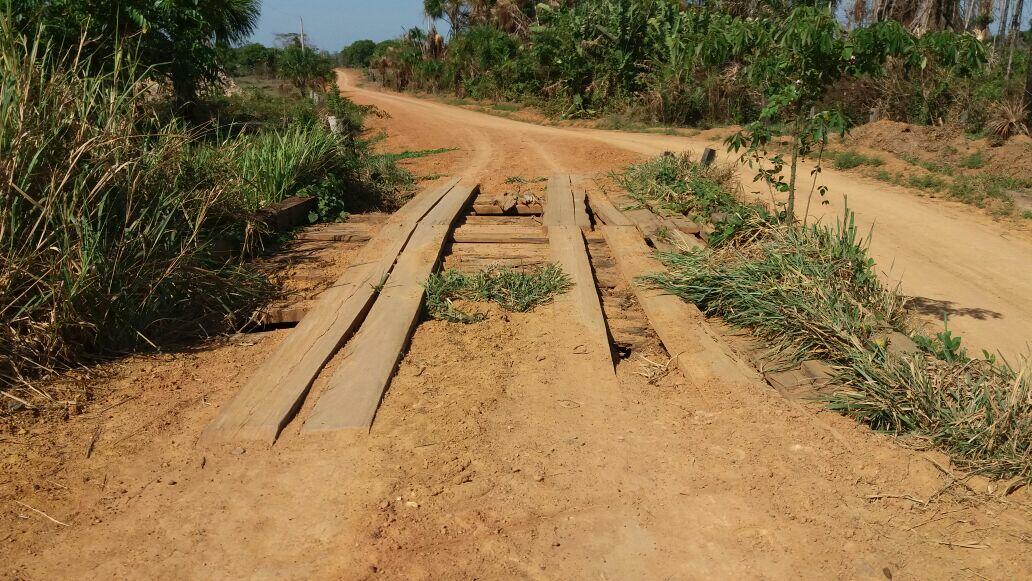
{"points": [[974, 161], [812, 292], [926, 181], [676, 184], [417, 154], [852, 159], [809, 291], [985, 189], [514, 290]]}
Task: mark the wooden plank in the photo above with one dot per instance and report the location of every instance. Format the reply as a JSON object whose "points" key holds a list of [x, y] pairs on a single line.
{"points": [[487, 210], [476, 264], [606, 211], [276, 390], [513, 250], [567, 246], [279, 315], [500, 234], [559, 202], [286, 214], [681, 326], [580, 208], [369, 360], [501, 220]]}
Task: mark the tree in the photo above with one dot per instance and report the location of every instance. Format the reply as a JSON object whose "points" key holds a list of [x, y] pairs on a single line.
{"points": [[358, 53], [794, 64], [177, 39], [305, 67], [1028, 83]]}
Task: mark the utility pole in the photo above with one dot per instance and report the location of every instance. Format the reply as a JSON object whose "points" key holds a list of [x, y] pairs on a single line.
{"points": [[1015, 32], [302, 34]]}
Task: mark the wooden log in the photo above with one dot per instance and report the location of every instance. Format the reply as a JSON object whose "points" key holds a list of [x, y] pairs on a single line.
{"points": [[685, 225], [606, 211], [708, 156], [286, 214], [476, 263], [277, 388], [473, 219], [279, 315], [513, 250], [369, 360], [487, 209], [681, 327]]}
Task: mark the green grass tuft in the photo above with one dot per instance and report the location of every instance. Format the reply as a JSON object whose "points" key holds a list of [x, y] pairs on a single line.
{"points": [[852, 159], [514, 290]]}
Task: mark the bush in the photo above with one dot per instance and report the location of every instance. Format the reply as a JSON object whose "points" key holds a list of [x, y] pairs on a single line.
{"points": [[109, 217], [121, 222], [357, 54]]}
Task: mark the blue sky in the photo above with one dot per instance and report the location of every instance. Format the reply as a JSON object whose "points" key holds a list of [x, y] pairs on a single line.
{"points": [[332, 24]]}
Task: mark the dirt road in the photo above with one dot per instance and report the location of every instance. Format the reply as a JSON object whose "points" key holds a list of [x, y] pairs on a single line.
{"points": [[951, 258], [499, 451]]}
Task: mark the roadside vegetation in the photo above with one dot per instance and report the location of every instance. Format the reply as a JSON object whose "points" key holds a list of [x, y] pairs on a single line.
{"points": [[811, 292], [133, 189], [800, 72], [663, 62]]}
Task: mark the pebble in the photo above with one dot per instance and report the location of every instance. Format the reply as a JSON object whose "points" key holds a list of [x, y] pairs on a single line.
{"points": [[238, 451]]}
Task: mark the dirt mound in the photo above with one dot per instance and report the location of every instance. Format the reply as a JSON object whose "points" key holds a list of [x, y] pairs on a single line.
{"points": [[947, 144]]}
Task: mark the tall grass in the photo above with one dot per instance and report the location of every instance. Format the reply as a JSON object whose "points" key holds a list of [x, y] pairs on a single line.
{"points": [[106, 216], [812, 292]]}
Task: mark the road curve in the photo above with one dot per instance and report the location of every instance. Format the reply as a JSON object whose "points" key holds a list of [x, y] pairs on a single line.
{"points": [[952, 259]]}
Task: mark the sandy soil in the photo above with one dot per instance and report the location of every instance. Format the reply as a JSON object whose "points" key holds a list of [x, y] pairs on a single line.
{"points": [[501, 452]]}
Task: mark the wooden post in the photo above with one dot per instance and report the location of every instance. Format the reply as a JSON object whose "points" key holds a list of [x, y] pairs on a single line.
{"points": [[708, 155]]}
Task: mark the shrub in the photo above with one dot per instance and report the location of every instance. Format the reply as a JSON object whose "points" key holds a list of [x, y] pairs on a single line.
{"points": [[812, 292], [109, 217]]}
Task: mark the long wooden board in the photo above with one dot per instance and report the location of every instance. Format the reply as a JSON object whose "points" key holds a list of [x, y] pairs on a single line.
{"points": [[681, 326], [369, 360], [567, 246], [559, 202], [580, 209], [274, 393]]}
